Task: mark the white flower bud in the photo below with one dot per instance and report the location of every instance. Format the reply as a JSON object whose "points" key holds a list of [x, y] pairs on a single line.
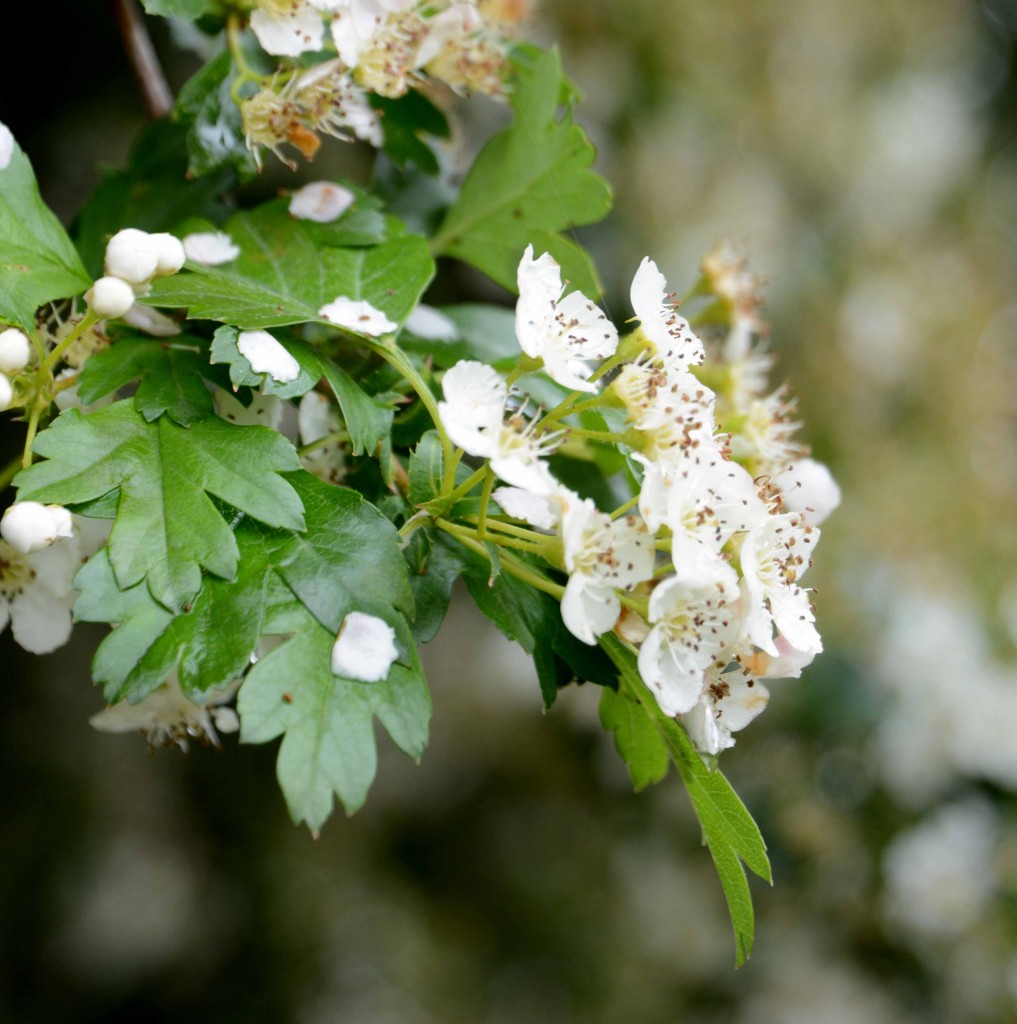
{"points": [[6, 393], [169, 253], [110, 297], [14, 350], [28, 526], [6, 146], [133, 256], [364, 649]]}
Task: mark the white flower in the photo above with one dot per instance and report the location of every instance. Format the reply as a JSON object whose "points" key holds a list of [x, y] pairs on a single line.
{"points": [[729, 702], [28, 526], [266, 355], [35, 588], [6, 146], [288, 34], [693, 622], [364, 649], [320, 201], [674, 342], [774, 555], [356, 315], [358, 22], [534, 509], [431, 324], [766, 434], [704, 501], [15, 350], [210, 248], [151, 321], [167, 718], [563, 332], [474, 417], [6, 393], [110, 297], [809, 486], [602, 556]]}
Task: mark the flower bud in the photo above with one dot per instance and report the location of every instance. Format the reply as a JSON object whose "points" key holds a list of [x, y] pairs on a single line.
{"points": [[14, 350], [6, 393], [169, 253], [28, 526], [133, 256], [110, 297]]}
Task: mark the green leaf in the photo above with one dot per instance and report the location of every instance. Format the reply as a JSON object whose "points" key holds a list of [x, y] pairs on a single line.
{"points": [[152, 193], [404, 120], [328, 742], [189, 9], [368, 419], [728, 828], [483, 332], [638, 740], [215, 136], [432, 579], [426, 469], [39, 262], [209, 644], [528, 184], [171, 377], [284, 276], [349, 559], [224, 350], [167, 527]]}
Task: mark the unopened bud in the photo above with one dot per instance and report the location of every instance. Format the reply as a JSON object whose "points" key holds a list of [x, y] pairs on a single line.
{"points": [[28, 526], [133, 256], [110, 297], [14, 350], [169, 252], [6, 393]]}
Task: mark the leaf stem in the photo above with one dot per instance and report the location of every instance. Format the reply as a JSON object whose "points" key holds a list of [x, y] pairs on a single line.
{"points": [[33, 426], [627, 507], [485, 500]]}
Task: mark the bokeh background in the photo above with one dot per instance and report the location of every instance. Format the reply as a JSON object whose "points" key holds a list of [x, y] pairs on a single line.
{"points": [[864, 152]]}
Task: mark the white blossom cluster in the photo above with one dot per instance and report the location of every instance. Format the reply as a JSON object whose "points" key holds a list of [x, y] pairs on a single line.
{"points": [[134, 259], [15, 354], [706, 579], [384, 47]]}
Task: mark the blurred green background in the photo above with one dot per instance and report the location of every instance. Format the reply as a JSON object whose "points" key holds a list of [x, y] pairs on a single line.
{"points": [[865, 155]]}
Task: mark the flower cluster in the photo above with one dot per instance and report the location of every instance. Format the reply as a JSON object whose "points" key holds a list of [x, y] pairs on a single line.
{"points": [[385, 47], [706, 581], [134, 259]]}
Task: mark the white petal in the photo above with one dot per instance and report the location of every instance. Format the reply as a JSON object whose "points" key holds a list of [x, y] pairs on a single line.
{"points": [[431, 324], [675, 679], [40, 621], [701, 726], [288, 35], [809, 485], [356, 315], [210, 248], [28, 526], [320, 201], [15, 351], [474, 405], [266, 355], [364, 649], [588, 610], [741, 702], [6, 146], [676, 344], [151, 321], [530, 508]]}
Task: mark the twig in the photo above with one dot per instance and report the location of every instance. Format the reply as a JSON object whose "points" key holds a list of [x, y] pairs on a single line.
{"points": [[147, 70]]}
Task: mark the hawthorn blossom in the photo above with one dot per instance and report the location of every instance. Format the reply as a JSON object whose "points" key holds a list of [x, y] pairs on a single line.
{"points": [[167, 718], [266, 355], [356, 315], [602, 556], [674, 342], [365, 648], [564, 332], [474, 416], [287, 29], [36, 595], [534, 509], [774, 555], [693, 622], [728, 703]]}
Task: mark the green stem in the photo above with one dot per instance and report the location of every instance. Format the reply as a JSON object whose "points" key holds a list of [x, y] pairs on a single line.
{"points": [[485, 500], [499, 527], [509, 564], [607, 436], [338, 437], [503, 542], [627, 507], [9, 472], [33, 426]]}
